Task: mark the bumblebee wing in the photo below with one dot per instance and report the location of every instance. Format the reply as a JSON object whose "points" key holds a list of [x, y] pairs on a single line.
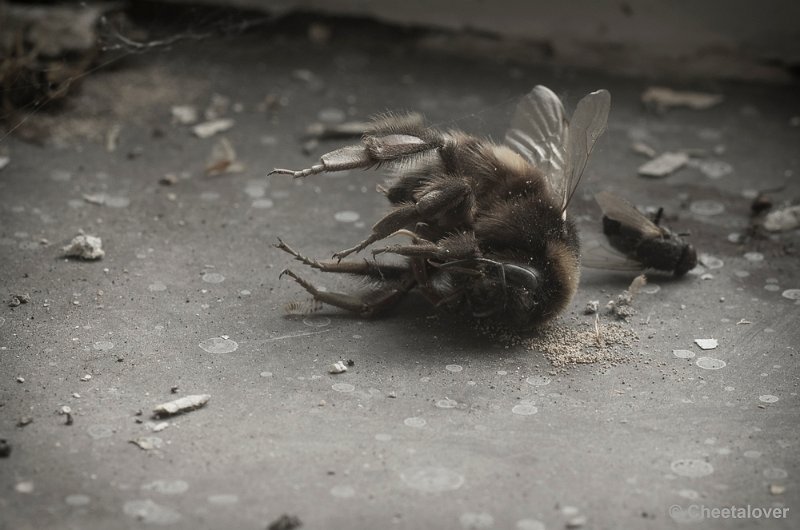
{"points": [[538, 133], [622, 211], [602, 257], [587, 124]]}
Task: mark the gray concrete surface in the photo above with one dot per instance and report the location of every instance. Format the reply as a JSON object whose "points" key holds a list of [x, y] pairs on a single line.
{"points": [[435, 426]]}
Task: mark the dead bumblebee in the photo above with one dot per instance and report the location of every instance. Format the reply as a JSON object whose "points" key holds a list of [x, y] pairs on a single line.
{"points": [[487, 223], [641, 242]]}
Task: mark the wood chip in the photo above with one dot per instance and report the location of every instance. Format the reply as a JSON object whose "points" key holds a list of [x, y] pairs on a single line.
{"points": [[181, 405]]}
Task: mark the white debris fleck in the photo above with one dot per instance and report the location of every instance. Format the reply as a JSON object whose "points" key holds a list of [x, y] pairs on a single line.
{"points": [[337, 368], [181, 405], [210, 128], [184, 114], [663, 98], [148, 443], [782, 220], [707, 344], [707, 207], [86, 378], [663, 165], [85, 247]]}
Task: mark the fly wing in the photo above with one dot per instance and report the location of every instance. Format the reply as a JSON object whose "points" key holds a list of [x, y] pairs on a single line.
{"points": [[539, 134], [625, 213], [587, 124], [602, 257]]}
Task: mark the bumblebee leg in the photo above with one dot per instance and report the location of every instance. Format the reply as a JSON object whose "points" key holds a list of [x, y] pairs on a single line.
{"points": [[368, 304], [455, 247], [452, 201], [371, 269], [377, 147]]}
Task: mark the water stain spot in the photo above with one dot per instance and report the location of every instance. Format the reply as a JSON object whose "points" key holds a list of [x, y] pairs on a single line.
{"points": [[752, 454], [455, 368], [255, 190], [157, 287], [347, 216], [710, 363], [265, 374], [99, 431], [754, 256], [688, 467], [525, 409], [791, 294], [213, 277], [772, 287], [223, 499], [683, 354], [263, 204], [689, 494], [538, 380], [317, 321], [775, 473], [432, 479], [343, 387], [415, 421], [768, 398], [77, 499], [343, 492], [446, 403], [149, 512], [219, 345], [103, 345], [382, 437], [167, 487], [707, 207], [476, 521], [529, 524]]}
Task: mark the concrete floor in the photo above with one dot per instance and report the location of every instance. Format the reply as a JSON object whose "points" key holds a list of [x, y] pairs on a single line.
{"points": [[426, 429]]}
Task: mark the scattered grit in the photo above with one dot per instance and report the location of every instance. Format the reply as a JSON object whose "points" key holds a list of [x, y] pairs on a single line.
{"points": [[564, 345]]}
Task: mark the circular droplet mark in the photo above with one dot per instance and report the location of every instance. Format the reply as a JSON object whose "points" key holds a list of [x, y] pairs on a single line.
{"points": [[381, 437], [538, 380], [223, 499], [711, 262], [683, 354], [710, 363], [791, 294], [77, 499], [432, 479], [446, 403], [149, 512], [525, 409], [98, 431], [707, 207], [754, 256], [455, 368], [213, 277], [167, 487], [317, 322], [347, 216], [103, 345], [415, 422], [476, 521], [263, 204], [219, 345], [688, 467], [157, 287], [343, 387], [768, 398], [343, 492], [775, 473]]}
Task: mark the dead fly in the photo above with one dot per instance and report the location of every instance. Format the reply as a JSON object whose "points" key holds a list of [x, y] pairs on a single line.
{"points": [[487, 223], [640, 243]]}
